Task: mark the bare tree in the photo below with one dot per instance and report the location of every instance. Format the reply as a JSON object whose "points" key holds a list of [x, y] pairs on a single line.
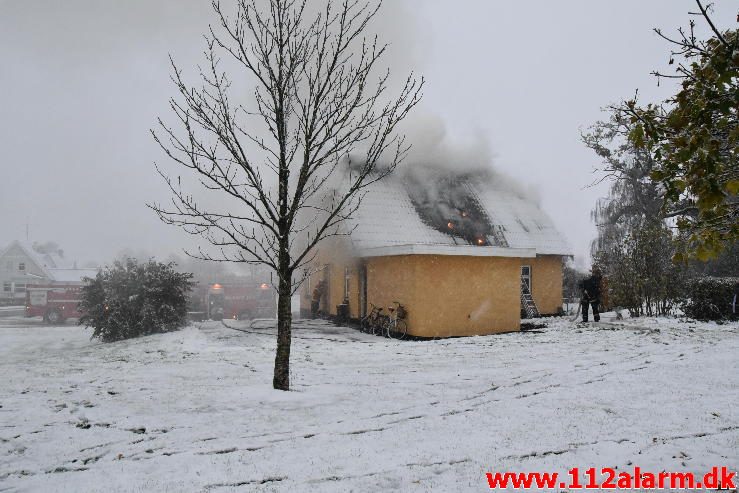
{"points": [[319, 98]]}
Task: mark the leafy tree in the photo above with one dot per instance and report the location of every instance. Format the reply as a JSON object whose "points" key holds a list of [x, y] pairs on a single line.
{"points": [[320, 97], [634, 201], [672, 165], [694, 139], [641, 276], [634, 243], [132, 300]]}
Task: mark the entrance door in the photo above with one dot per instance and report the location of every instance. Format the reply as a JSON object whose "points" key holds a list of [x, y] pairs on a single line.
{"points": [[363, 291], [326, 296]]}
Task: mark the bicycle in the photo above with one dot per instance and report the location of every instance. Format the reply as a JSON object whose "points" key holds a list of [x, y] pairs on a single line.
{"points": [[373, 321], [396, 325]]}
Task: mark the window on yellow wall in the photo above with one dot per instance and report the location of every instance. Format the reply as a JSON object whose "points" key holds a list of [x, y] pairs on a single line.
{"points": [[347, 282]]}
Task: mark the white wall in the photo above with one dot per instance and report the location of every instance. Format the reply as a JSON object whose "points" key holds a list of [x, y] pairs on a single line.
{"points": [[14, 278]]}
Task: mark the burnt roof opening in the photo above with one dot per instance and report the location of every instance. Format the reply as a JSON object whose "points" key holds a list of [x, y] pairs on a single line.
{"points": [[448, 204]]}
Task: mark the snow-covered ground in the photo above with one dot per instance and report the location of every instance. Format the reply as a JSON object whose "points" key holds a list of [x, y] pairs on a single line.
{"points": [[193, 410]]}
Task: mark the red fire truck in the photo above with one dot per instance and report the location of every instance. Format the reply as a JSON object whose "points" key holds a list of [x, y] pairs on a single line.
{"points": [[55, 303], [58, 302], [237, 301]]}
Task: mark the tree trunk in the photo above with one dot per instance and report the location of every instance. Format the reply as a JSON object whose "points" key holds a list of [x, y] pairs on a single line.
{"points": [[281, 379]]}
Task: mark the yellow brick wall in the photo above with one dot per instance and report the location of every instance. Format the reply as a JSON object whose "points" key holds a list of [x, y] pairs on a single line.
{"points": [[444, 295], [546, 280], [449, 295]]}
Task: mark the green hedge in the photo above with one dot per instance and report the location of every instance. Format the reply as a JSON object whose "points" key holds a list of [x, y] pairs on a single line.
{"points": [[132, 300], [710, 298]]}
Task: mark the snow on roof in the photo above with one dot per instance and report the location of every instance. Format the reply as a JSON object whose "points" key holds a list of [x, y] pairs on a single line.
{"points": [[522, 222], [71, 275], [51, 260], [387, 223], [388, 218]]}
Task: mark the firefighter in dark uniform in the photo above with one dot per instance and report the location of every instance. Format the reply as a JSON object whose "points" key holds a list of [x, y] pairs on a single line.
{"points": [[591, 294]]}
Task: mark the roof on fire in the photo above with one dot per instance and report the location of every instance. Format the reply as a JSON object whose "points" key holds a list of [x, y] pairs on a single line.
{"points": [[387, 223]]}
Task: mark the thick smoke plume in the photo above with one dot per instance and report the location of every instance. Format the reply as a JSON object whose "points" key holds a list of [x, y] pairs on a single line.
{"points": [[440, 170], [441, 175]]}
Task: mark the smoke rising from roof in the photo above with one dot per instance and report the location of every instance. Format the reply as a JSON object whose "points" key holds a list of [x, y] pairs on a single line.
{"points": [[436, 153], [84, 80]]}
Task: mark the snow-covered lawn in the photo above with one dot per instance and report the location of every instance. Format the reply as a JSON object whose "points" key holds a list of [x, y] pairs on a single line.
{"points": [[194, 411]]}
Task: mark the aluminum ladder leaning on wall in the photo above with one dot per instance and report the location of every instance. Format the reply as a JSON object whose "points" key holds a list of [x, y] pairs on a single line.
{"points": [[527, 301]]}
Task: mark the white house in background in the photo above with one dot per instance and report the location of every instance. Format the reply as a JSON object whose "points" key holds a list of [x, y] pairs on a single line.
{"points": [[22, 266]]}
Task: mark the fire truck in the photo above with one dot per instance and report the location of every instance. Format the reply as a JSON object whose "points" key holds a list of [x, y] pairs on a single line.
{"points": [[236, 301], [55, 303], [58, 302]]}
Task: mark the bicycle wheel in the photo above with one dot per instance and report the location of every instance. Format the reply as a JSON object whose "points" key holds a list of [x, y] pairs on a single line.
{"points": [[377, 325], [381, 325], [388, 328], [401, 329]]}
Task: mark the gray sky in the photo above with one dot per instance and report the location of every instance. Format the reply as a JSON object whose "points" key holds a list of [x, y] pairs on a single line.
{"points": [[82, 81]]}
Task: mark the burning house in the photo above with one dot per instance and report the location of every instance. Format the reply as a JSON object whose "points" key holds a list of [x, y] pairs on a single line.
{"points": [[465, 254]]}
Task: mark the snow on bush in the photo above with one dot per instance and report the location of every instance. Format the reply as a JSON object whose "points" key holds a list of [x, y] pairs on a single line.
{"points": [[712, 298], [131, 300]]}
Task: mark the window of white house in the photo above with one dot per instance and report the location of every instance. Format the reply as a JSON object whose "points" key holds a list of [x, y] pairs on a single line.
{"points": [[7, 287], [22, 266], [20, 287]]}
